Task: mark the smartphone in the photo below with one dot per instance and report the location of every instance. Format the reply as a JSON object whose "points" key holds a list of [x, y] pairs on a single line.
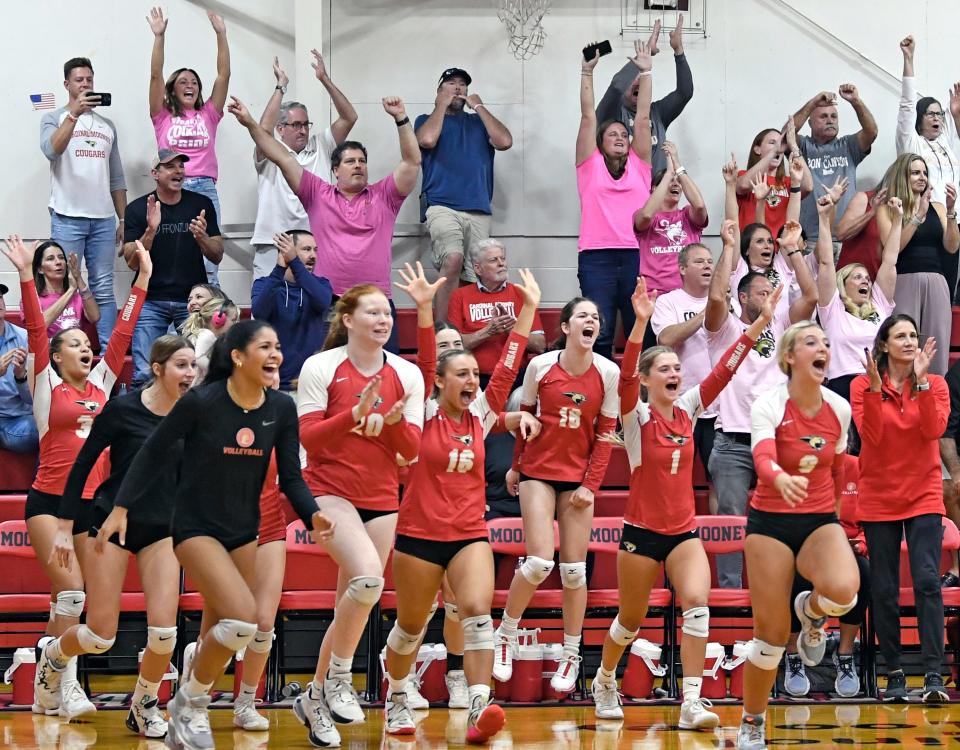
{"points": [[591, 50], [105, 99]]}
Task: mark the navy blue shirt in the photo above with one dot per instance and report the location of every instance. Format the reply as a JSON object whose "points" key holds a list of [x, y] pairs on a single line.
{"points": [[458, 170]]}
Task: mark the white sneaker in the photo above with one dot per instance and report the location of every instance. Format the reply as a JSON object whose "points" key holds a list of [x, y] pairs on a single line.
{"points": [[751, 735], [398, 719], [812, 641], [314, 715], [342, 701], [146, 719], [46, 682], [415, 699], [457, 688], [606, 699], [694, 715], [189, 651], [189, 725], [564, 680], [246, 717], [73, 701], [503, 651]]}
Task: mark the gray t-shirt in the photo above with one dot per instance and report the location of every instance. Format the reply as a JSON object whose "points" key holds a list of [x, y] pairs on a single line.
{"points": [[828, 162]]}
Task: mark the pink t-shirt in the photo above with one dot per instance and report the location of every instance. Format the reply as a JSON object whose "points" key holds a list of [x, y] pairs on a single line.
{"points": [[194, 134], [850, 335], [679, 307], [661, 243], [354, 237], [71, 317], [758, 373], [607, 205], [780, 273]]}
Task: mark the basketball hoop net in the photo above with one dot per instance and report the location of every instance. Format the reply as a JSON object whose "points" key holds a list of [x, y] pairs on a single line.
{"points": [[524, 22]]}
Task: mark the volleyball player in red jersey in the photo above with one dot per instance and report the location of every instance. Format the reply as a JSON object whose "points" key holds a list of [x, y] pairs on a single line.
{"points": [[659, 522], [360, 408], [798, 437], [68, 393], [441, 527], [574, 392]]}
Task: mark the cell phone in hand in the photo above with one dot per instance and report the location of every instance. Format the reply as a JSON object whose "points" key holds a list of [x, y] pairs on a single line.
{"points": [[105, 99], [591, 50]]}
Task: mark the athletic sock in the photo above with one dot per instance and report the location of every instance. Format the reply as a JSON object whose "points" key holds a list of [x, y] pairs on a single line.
{"points": [[571, 645], [339, 666], [248, 692], [145, 688], [691, 688], [605, 676], [482, 690], [396, 686], [508, 626], [194, 688], [58, 660]]}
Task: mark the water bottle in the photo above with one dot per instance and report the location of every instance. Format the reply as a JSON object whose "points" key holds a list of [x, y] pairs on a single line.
{"points": [[291, 690]]}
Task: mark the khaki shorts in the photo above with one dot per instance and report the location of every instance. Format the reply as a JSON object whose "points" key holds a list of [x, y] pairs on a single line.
{"points": [[457, 232]]}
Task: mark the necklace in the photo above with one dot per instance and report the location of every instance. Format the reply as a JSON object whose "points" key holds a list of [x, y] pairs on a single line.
{"points": [[236, 399]]}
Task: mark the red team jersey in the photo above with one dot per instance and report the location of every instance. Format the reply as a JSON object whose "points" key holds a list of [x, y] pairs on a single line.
{"points": [[784, 439], [356, 460], [660, 450], [65, 415], [572, 410], [445, 498]]}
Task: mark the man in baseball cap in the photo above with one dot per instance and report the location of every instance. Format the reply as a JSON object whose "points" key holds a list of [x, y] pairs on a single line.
{"points": [[165, 156], [457, 149]]}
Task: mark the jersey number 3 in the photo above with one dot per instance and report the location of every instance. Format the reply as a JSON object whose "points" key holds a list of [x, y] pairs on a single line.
{"points": [[460, 461], [570, 417]]}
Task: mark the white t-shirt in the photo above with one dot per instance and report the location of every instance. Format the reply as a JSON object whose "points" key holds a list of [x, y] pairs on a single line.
{"points": [[82, 176], [678, 307], [849, 335], [781, 273], [757, 374], [278, 208]]}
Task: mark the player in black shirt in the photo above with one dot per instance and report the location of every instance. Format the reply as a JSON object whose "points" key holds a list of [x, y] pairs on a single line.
{"points": [[123, 427], [229, 426]]}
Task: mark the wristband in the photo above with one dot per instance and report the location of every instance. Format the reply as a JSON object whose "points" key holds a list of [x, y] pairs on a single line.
{"points": [[923, 386], [794, 252], [680, 172], [72, 116], [481, 105], [645, 73], [795, 190], [401, 123], [18, 380], [952, 215]]}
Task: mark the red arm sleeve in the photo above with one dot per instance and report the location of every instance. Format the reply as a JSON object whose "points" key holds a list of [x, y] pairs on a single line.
{"points": [[765, 461], [123, 332], [600, 455], [505, 373], [867, 408], [402, 438], [37, 340], [934, 409], [629, 379], [427, 356], [724, 370], [519, 444], [316, 430]]}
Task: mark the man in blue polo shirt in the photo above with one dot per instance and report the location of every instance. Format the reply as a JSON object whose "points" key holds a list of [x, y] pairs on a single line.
{"points": [[457, 149], [18, 430]]}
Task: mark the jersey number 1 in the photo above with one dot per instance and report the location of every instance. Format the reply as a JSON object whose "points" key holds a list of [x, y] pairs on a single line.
{"points": [[674, 462]]}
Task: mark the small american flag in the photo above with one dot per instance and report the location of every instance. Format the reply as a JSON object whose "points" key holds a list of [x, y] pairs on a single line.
{"points": [[43, 101]]}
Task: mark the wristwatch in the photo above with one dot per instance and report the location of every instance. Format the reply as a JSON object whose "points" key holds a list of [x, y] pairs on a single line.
{"points": [[281, 89]]}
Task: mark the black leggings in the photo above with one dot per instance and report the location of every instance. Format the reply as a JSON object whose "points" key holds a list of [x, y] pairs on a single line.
{"points": [[924, 538], [855, 615]]}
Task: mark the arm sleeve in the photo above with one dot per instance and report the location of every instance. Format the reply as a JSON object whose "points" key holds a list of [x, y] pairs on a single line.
{"points": [[263, 302], [599, 455], [184, 418], [123, 332], [37, 342], [765, 461], [287, 451], [117, 180], [629, 377], [403, 438], [867, 408], [48, 126], [317, 288], [609, 107], [316, 430], [518, 444], [934, 409], [101, 435], [505, 372], [427, 355], [906, 114], [673, 103]]}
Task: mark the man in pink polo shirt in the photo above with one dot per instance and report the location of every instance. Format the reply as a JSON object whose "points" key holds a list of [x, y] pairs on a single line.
{"points": [[351, 220]]}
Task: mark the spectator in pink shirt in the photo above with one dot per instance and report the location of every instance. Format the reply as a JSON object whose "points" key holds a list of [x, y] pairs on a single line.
{"points": [[64, 297], [183, 121], [663, 229], [351, 220], [613, 178]]}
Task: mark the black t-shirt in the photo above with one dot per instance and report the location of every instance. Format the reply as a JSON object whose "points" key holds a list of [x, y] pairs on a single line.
{"points": [[124, 426], [177, 258], [226, 453]]}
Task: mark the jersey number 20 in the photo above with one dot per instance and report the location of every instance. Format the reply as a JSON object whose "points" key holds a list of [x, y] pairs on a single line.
{"points": [[371, 425]]}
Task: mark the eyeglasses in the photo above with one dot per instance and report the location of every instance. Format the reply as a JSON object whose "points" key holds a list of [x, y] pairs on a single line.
{"points": [[936, 115], [298, 125]]}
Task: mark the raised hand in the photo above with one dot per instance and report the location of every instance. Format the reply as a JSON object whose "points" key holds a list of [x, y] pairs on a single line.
{"points": [[393, 106], [954, 95], [153, 213], [368, 398], [895, 206], [825, 99], [279, 73], [217, 22], [921, 363], [873, 373], [416, 285], [670, 149], [825, 206], [396, 411], [849, 92], [73, 263], [643, 58], [923, 203], [529, 288], [322, 529], [879, 198], [145, 267], [760, 186], [728, 232], [198, 226], [652, 40], [285, 247], [676, 36], [158, 24], [791, 237], [951, 191], [18, 253], [643, 302], [908, 46], [730, 170], [239, 110], [796, 168], [793, 489], [769, 307], [319, 67], [789, 131], [837, 189]]}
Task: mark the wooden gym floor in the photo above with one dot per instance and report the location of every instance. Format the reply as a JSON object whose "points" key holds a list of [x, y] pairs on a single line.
{"points": [[541, 728]]}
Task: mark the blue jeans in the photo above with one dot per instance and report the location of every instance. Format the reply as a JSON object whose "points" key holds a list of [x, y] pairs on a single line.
{"points": [[207, 186], [154, 321], [94, 240], [19, 434], [731, 466], [608, 277]]}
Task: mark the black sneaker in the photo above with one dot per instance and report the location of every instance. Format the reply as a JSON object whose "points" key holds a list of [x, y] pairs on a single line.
{"points": [[949, 581], [933, 689], [896, 691]]}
